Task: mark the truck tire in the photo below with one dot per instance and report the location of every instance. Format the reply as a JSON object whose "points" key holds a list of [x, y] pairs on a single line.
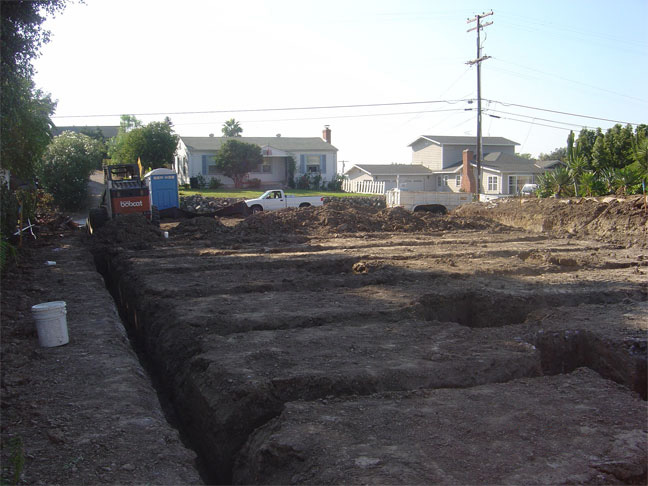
{"points": [[256, 209], [96, 219], [155, 216], [304, 205]]}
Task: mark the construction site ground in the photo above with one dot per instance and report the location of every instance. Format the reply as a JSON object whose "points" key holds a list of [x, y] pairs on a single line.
{"points": [[504, 343]]}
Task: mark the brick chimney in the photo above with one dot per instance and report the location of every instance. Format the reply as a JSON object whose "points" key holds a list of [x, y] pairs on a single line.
{"points": [[326, 134], [468, 183]]}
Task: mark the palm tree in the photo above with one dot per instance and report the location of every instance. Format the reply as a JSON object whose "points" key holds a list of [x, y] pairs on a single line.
{"points": [[562, 180], [640, 156], [589, 183], [545, 184], [625, 179], [232, 128], [608, 177]]}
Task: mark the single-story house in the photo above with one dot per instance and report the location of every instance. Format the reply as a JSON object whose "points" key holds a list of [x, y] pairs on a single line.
{"points": [[404, 176], [311, 155], [439, 163]]}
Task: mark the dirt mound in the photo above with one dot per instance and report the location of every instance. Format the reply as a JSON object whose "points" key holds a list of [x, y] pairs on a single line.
{"points": [[129, 229], [200, 226], [613, 219], [337, 217]]}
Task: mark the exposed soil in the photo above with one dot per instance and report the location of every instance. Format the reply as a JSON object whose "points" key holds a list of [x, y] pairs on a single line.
{"points": [[341, 344]]}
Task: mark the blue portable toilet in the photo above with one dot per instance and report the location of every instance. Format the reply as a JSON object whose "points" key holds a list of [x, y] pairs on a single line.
{"points": [[163, 186]]}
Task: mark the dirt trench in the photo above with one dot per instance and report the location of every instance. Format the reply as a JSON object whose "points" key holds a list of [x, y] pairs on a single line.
{"points": [[245, 324]]}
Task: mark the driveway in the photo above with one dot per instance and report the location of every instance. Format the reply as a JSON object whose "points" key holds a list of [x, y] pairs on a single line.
{"points": [[95, 192]]}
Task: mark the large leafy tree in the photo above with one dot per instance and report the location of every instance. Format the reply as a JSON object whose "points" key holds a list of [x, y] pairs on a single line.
{"points": [[232, 128], [25, 125], [556, 154], [236, 159], [66, 166], [153, 144], [601, 158]]}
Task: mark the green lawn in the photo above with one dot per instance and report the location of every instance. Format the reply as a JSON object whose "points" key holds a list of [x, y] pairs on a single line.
{"points": [[248, 194]]}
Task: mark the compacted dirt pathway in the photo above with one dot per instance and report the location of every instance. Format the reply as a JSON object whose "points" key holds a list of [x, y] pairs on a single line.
{"points": [[85, 412]]}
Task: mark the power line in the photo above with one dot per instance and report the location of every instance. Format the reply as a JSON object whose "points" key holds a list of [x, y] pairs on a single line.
{"points": [[244, 110], [564, 113], [535, 118], [536, 124], [332, 117], [564, 79]]}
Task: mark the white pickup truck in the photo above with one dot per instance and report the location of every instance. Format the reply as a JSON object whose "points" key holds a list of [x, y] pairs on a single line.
{"points": [[277, 199], [434, 202]]}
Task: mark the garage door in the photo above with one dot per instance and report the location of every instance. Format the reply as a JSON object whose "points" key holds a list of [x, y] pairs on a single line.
{"points": [[413, 184]]}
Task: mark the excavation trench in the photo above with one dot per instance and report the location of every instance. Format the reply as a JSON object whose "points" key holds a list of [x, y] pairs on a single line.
{"points": [[223, 386]]}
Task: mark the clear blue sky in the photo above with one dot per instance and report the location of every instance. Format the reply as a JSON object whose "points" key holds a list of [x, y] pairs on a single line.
{"points": [[111, 57]]}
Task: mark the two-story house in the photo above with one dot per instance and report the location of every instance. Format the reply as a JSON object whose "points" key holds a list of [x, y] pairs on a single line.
{"points": [[438, 165], [311, 155]]}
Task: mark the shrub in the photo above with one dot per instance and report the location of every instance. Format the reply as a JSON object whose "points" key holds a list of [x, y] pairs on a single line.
{"points": [[335, 184], [303, 182], [215, 183], [254, 183], [8, 211], [66, 166], [201, 181]]}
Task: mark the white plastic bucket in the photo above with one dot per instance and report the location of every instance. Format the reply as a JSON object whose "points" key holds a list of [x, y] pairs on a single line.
{"points": [[51, 323]]}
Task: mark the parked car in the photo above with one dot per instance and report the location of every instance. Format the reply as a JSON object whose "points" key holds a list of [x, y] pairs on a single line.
{"points": [[528, 189], [276, 199]]}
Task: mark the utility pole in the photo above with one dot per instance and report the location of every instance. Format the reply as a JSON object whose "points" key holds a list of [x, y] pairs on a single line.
{"points": [[478, 61]]}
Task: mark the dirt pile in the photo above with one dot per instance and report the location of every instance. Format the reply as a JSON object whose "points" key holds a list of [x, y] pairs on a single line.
{"points": [[336, 217], [201, 204], [197, 227], [130, 229], [613, 219]]}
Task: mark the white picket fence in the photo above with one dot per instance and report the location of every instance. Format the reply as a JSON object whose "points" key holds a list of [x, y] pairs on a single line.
{"points": [[363, 187]]}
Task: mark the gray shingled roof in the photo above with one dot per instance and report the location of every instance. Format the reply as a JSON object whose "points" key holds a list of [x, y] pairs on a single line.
{"points": [[287, 144], [107, 131], [506, 163], [393, 169], [549, 164], [467, 141]]}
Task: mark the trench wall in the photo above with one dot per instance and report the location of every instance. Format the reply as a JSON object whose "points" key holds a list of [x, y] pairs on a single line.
{"points": [[216, 374]]}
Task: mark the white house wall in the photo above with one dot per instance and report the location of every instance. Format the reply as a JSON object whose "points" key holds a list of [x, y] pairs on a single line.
{"points": [[181, 163], [427, 154], [485, 175]]}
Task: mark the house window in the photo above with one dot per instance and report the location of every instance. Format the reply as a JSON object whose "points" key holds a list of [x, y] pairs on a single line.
{"points": [[442, 180], [458, 181], [492, 183], [212, 170], [516, 182], [313, 163], [265, 168], [206, 159]]}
